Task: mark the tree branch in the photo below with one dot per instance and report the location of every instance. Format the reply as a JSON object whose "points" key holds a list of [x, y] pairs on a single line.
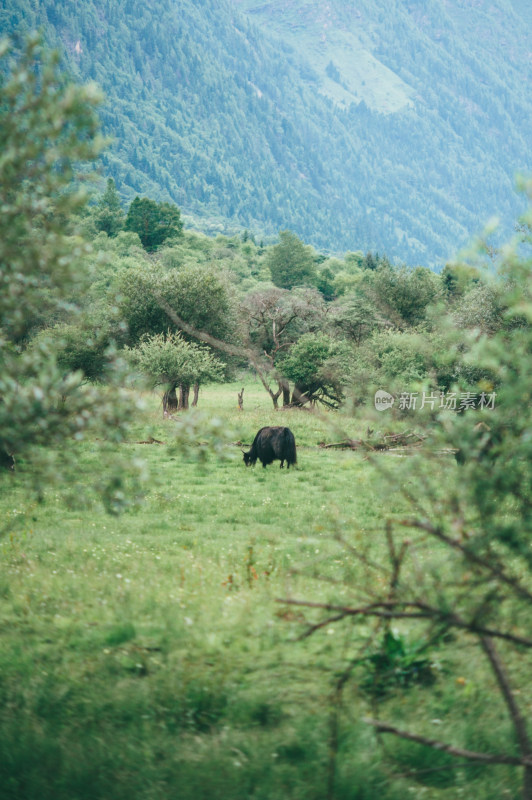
{"points": [[391, 610], [313, 628], [459, 752], [509, 698], [495, 570]]}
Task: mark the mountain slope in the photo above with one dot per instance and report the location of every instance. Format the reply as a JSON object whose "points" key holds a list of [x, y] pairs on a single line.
{"points": [[407, 148], [454, 84]]}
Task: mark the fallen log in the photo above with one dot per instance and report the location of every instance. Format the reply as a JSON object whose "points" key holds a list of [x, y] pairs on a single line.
{"points": [[387, 441], [350, 444]]}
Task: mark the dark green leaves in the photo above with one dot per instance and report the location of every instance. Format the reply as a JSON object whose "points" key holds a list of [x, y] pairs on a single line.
{"points": [[154, 222]]}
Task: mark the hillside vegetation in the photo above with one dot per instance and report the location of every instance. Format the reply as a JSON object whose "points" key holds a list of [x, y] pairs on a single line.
{"points": [[395, 128]]}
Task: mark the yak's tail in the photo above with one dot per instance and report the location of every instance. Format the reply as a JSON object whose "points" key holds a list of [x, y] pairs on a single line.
{"points": [[290, 447]]}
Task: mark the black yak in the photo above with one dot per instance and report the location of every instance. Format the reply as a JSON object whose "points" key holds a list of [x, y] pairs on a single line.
{"points": [[271, 443]]}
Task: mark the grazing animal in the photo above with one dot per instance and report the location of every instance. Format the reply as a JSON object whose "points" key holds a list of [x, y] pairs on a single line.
{"points": [[271, 443]]}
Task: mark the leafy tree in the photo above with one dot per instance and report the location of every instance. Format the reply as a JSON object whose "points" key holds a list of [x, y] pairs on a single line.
{"points": [[154, 222], [46, 127], [44, 123], [109, 215], [84, 346], [319, 367], [480, 308], [356, 317], [458, 278], [171, 361], [274, 319], [402, 294], [400, 355], [326, 283], [291, 263], [200, 296], [370, 261], [346, 282]]}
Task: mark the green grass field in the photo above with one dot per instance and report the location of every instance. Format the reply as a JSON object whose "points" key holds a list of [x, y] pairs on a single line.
{"points": [[146, 655]]}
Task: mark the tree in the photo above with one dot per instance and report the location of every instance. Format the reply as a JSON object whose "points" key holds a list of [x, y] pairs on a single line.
{"points": [[402, 295], [479, 308], [154, 222], [47, 126], [171, 361], [458, 278], [356, 317], [474, 587], [200, 296], [84, 347], [291, 263], [319, 367], [326, 283], [109, 216], [274, 320]]}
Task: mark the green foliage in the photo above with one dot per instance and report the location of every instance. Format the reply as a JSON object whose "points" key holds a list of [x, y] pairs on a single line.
{"points": [[480, 308], [397, 664], [398, 355], [355, 317], [458, 278], [319, 367], [402, 295], [170, 360], [109, 216], [291, 262], [154, 222], [201, 296], [498, 476], [46, 127], [325, 283], [80, 347]]}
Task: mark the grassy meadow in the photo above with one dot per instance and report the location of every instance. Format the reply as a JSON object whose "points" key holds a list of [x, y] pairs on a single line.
{"points": [[145, 655]]}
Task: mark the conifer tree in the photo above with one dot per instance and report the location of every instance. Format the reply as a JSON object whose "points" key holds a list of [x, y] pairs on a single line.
{"points": [[110, 217]]}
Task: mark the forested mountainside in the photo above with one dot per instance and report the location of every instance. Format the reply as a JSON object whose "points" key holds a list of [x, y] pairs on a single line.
{"points": [[395, 127]]}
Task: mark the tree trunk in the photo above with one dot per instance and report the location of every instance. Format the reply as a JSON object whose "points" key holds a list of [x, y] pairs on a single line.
{"points": [[195, 395], [263, 380], [516, 715], [170, 403], [285, 389], [184, 392], [299, 398]]}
